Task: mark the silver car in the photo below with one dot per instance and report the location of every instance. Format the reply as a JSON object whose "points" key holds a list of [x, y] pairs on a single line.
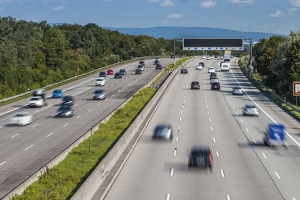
{"points": [[237, 90], [250, 110]]}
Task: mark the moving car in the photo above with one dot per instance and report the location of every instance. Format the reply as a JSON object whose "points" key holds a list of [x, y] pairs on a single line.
{"points": [[215, 86], [141, 67], [138, 71], [199, 67], [237, 90], [35, 101], [214, 80], [102, 74], [68, 100], [118, 75], [202, 57], [57, 94], [211, 69], [110, 72], [100, 81], [141, 62], [225, 67], [250, 110], [123, 72], [200, 156], [195, 85], [99, 95], [201, 63], [65, 111], [184, 71], [158, 66], [22, 119], [213, 75], [163, 131]]}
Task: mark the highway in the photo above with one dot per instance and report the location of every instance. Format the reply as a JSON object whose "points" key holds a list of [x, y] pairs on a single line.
{"points": [[25, 150], [244, 168]]}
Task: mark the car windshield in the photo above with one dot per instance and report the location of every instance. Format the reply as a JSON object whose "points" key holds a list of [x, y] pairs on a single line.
{"points": [[20, 115], [98, 91]]}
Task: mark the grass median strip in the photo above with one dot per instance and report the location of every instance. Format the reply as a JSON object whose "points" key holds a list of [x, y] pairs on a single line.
{"points": [[62, 181]]}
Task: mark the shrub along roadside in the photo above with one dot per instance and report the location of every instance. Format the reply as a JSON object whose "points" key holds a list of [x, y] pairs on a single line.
{"points": [[62, 181]]}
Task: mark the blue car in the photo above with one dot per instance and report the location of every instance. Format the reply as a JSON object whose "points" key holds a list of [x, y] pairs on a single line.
{"points": [[57, 94]]}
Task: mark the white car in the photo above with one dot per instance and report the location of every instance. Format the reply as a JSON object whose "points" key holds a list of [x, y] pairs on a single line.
{"points": [[208, 58], [23, 118], [100, 81], [202, 57], [36, 101], [214, 80], [211, 69], [237, 90], [199, 67]]}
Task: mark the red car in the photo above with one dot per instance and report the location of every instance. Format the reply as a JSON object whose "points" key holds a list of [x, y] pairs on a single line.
{"points": [[142, 63], [110, 72], [195, 85]]}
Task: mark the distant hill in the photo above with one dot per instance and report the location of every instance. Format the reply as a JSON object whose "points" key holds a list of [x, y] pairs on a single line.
{"points": [[192, 32]]}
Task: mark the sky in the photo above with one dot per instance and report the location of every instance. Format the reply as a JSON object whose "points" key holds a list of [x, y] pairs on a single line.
{"points": [[271, 16]]}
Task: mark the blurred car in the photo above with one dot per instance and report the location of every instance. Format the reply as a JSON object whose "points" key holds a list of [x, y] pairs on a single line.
{"points": [[68, 100], [141, 67], [35, 101], [213, 75], [237, 90], [163, 131], [110, 72], [202, 57], [57, 94], [100, 81], [99, 95], [215, 86], [123, 72], [184, 71], [22, 119], [156, 61], [199, 67], [138, 71], [158, 66], [118, 75], [141, 62], [172, 56], [214, 80], [208, 58], [201, 63], [65, 111], [195, 85], [250, 110], [102, 74], [200, 156], [211, 69]]}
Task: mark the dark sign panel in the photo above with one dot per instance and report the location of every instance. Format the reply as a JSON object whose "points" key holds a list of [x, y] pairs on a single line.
{"points": [[213, 44]]}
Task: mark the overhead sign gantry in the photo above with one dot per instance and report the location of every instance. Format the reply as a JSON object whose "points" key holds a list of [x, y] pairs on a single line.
{"points": [[213, 44]]}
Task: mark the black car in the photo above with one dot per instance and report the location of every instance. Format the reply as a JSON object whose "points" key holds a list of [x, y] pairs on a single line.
{"points": [[156, 61], [200, 156], [215, 86], [184, 71], [68, 100], [123, 72], [138, 71], [213, 75], [118, 75], [195, 85], [201, 63], [65, 111], [163, 132], [102, 74], [158, 66], [99, 95]]}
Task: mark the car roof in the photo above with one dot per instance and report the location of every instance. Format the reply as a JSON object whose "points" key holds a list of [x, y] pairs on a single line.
{"points": [[250, 106]]}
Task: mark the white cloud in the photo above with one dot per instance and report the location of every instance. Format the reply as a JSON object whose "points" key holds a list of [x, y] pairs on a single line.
{"points": [[295, 3], [278, 13], [175, 16], [241, 1], [166, 3], [207, 4], [58, 8]]}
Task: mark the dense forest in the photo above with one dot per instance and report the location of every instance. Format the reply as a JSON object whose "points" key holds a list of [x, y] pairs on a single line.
{"points": [[34, 55], [277, 61]]}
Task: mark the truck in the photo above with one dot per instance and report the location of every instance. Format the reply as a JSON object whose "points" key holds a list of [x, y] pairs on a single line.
{"points": [[227, 56], [38, 99], [275, 135]]}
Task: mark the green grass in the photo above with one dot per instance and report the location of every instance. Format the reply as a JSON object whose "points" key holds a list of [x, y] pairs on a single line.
{"points": [[63, 180]]}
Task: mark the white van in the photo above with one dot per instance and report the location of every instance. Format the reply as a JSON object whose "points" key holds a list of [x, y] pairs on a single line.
{"points": [[225, 66]]}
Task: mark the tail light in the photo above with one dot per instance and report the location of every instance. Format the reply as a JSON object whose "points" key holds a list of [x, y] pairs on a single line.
{"points": [[210, 158]]}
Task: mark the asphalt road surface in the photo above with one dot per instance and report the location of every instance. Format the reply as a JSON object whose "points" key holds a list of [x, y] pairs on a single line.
{"points": [[244, 168]]}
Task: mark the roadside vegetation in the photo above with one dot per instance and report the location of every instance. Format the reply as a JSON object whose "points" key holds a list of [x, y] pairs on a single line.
{"points": [[276, 65], [63, 180]]}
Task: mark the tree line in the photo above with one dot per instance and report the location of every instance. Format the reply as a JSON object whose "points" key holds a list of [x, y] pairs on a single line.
{"points": [[277, 61], [33, 55]]}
